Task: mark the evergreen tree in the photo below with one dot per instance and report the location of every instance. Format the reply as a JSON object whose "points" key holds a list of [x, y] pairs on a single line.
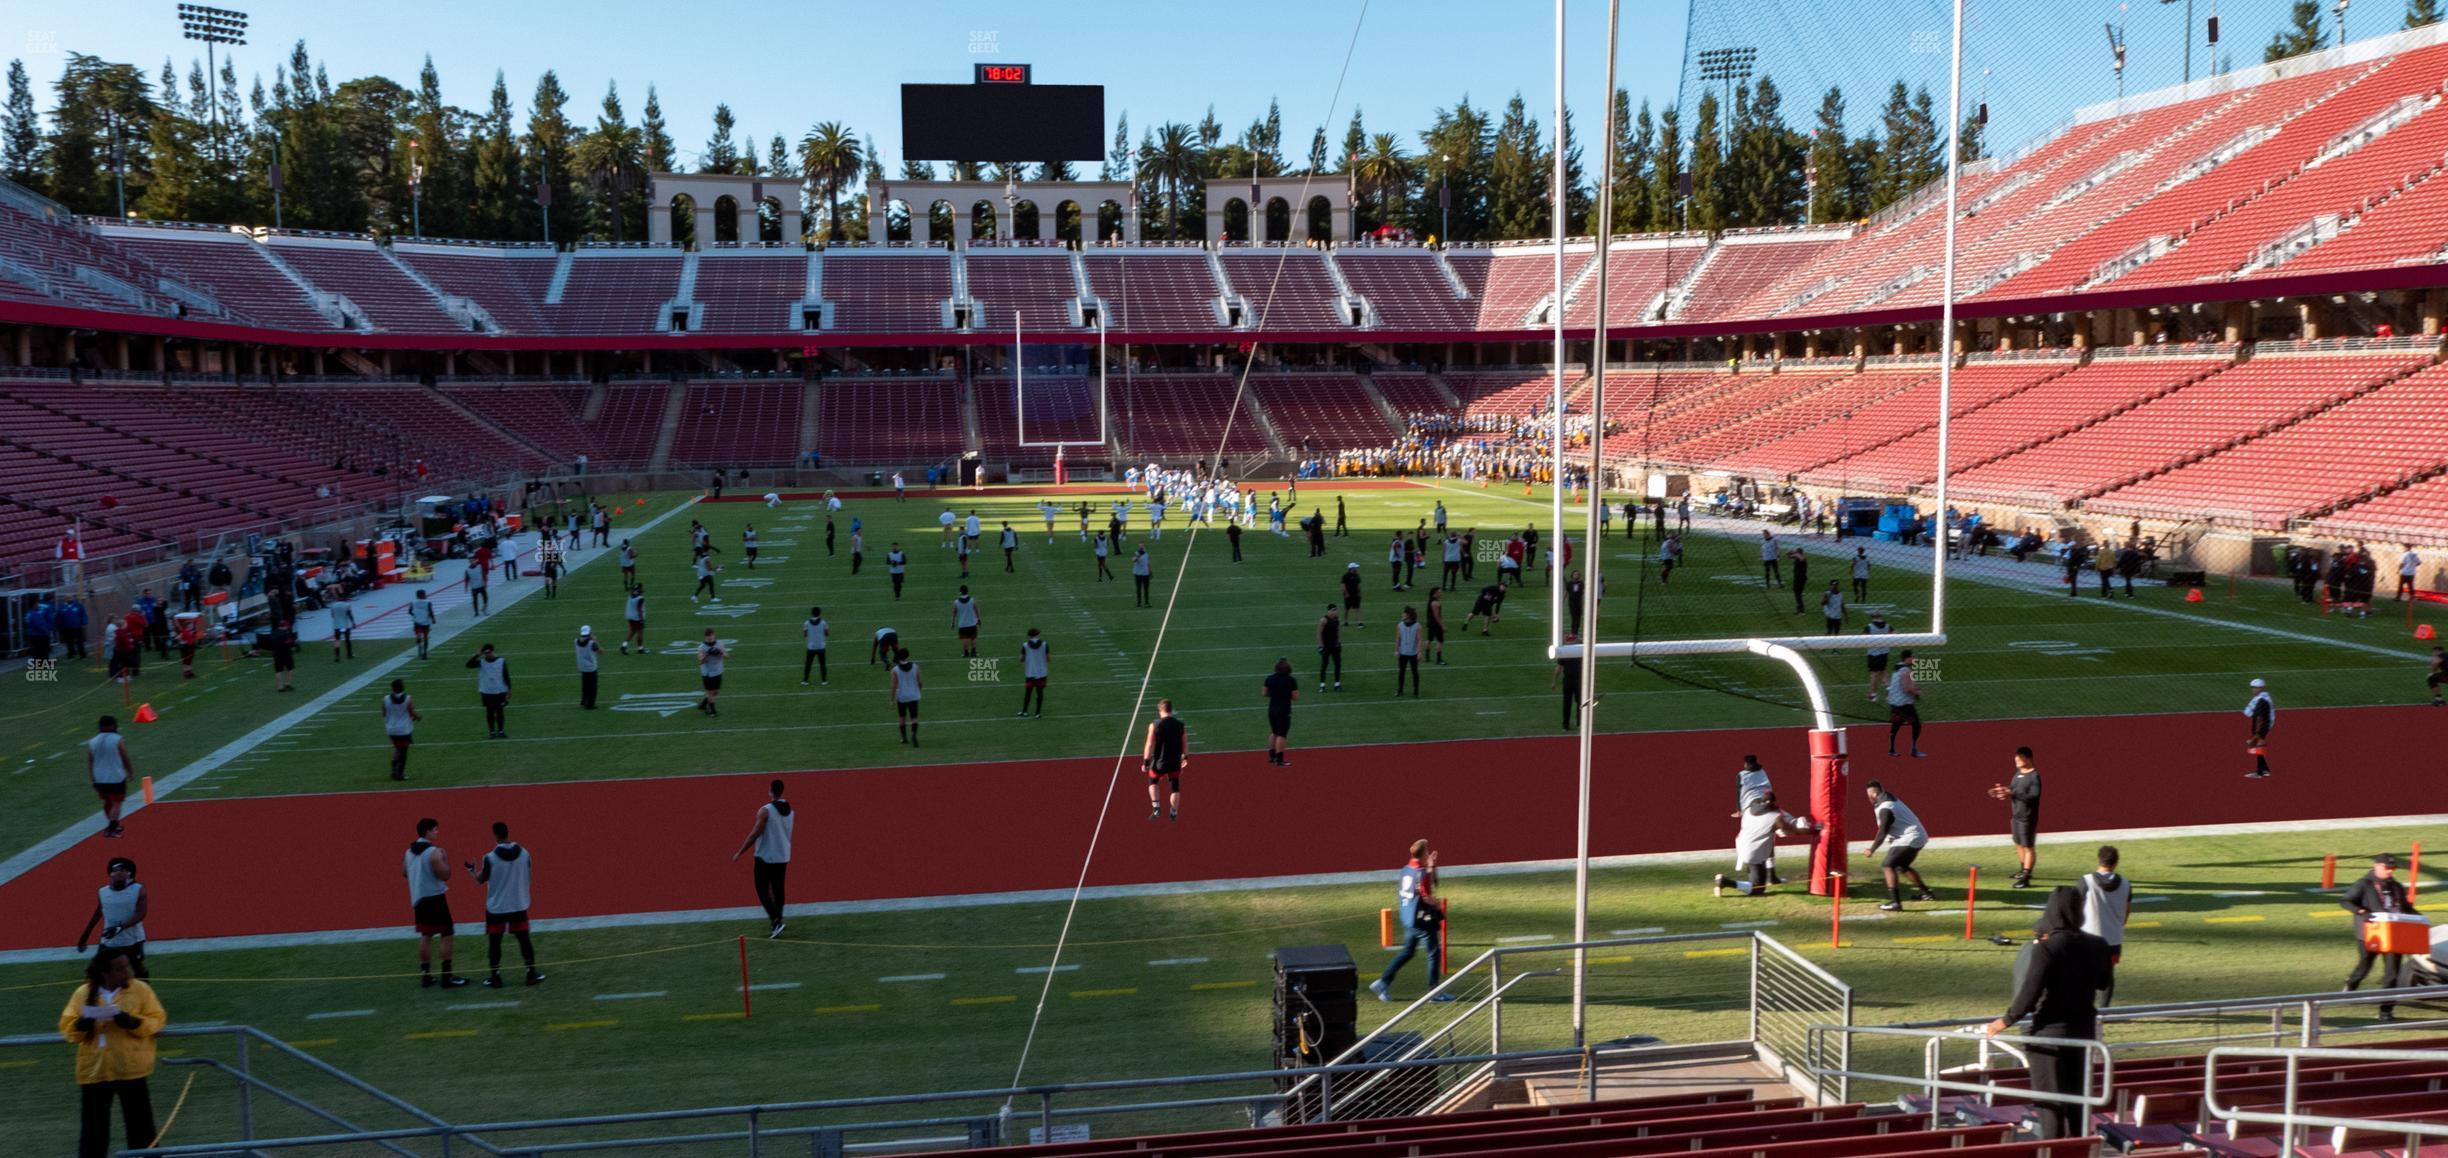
{"points": [[1708, 172], [1355, 143], [1455, 154], [548, 144], [2422, 12], [1635, 152], [1908, 154], [1056, 171], [610, 162], [654, 137], [1666, 174], [1117, 166], [916, 170], [442, 148], [1972, 143], [497, 203], [181, 185], [2303, 33], [1518, 176], [721, 153], [1766, 169], [1831, 190], [1315, 161], [1210, 131], [778, 159], [21, 156]]}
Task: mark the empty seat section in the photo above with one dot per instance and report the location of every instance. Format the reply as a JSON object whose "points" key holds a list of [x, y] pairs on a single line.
{"points": [[1411, 394], [1754, 394], [2367, 443], [1890, 417], [889, 420], [544, 415], [629, 423], [1056, 406], [1507, 395], [2191, 420], [750, 291], [509, 282], [615, 292], [1181, 417], [1819, 409], [2408, 515], [234, 271], [1744, 265], [1036, 284], [440, 433], [1518, 277], [891, 292], [1639, 275], [355, 270], [1406, 288], [1148, 291], [739, 424], [1286, 288], [1321, 412], [2409, 227], [2015, 421], [57, 250]]}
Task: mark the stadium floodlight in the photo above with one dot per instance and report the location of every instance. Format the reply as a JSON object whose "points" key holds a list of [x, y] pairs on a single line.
{"points": [[1732, 66], [215, 27], [2341, 15], [2188, 38], [2116, 52]]}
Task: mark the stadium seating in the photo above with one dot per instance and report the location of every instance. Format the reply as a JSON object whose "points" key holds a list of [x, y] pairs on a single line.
{"points": [[1517, 278], [2410, 515], [616, 291], [1036, 283], [509, 281], [2018, 420], [888, 291], [1181, 415], [1405, 287], [1154, 290], [2177, 426], [749, 291], [1286, 287], [1757, 391], [2370, 443], [1871, 420], [58, 251], [1641, 275], [1512, 394], [1320, 412], [889, 420], [1410, 393], [1744, 263], [1062, 407], [355, 270], [544, 415], [739, 424], [233, 269]]}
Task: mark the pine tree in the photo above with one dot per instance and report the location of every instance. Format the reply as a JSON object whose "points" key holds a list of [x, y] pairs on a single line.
{"points": [[1517, 175], [1635, 144], [1831, 188], [93, 94], [1117, 166], [1666, 174], [442, 149], [721, 153], [21, 156], [1972, 143], [2303, 33], [1355, 143], [778, 159], [1210, 131], [1908, 155], [548, 142], [610, 163], [1708, 172], [1315, 161], [1766, 169], [495, 196], [2422, 12], [660, 155], [1454, 154]]}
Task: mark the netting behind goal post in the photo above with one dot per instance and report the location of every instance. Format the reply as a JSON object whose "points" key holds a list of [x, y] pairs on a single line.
{"points": [[1057, 392]]}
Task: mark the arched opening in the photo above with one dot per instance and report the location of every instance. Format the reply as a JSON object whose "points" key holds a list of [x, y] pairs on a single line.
{"points": [[939, 221], [1278, 219], [726, 218], [684, 221], [1321, 220], [1024, 220], [896, 220], [1067, 221], [1109, 220], [1236, 220], [769, 220], [981, 219]]}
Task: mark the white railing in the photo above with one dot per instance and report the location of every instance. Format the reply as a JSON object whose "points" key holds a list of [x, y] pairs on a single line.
{"points": [[2290, 1118], [2097, 1089]]}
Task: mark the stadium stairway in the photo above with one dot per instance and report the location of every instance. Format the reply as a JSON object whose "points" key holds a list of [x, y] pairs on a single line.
{"points": [[478, 417], [675, 405]]}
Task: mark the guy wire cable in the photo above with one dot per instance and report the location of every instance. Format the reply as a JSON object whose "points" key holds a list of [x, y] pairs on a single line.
{"points": [[1181, 573]]}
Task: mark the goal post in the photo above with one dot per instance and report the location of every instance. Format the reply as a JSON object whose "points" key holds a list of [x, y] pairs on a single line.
{"points": [[1058, 391]]}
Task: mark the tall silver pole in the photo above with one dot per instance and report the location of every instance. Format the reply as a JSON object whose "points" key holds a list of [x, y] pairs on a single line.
{"points": [[1589, 538], [1556, 202], [1946, 323]]}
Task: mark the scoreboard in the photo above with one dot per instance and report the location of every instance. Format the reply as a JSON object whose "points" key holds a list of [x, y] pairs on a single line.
{"points": [[1003, 114]]}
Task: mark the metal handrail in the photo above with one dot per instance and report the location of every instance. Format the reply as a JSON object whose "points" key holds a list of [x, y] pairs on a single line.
{"points": [[2096, 1090], [2290, 1118], [2308, 1006]]}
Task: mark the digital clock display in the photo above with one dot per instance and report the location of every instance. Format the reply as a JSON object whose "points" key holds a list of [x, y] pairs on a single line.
{"points": [[1002, 74]]}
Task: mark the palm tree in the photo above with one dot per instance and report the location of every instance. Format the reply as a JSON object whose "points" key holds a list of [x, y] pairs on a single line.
{"points": [[1383, 170], [831, 156], [1172, 159]]}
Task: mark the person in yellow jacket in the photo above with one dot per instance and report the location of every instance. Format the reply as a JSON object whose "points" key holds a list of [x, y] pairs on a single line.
{"points": [[112, 1018]]}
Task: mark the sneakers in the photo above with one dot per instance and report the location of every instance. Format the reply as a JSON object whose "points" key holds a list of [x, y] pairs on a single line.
{"points": [[2256, 775], [1173, 815], [534, 978], [2020, 881], [1717, 887], [1443, 997], [1155, 811], [425, 982], [493, 982], [1338, 685], [1891, 906], [776, 930], [1925, 895], [453, 981], [1378, 987]]}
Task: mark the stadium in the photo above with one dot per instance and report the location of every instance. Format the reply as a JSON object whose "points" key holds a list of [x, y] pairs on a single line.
{"points": [[2095, 398]]}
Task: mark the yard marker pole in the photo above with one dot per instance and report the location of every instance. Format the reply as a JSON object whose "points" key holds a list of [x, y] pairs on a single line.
{"points": [[148, 790], [1836, 911], [1971, 887], [2329, 871], [743, 951], [2414, 874]]}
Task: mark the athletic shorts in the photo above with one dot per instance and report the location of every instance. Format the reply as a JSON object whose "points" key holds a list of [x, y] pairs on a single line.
{"points": [[1902, 858], [1903, 714], [712, 683], [905, 709], [637, 625], [2434, 680], [2024, 830], [422, 628], [1279, 723], [500, 923], [284, 663], [749, 551], [1351, 603], [433, 914], [1482, 607], [1034, 682], [111, 791], [968, 633], [1171, 776], [1436, 633], [401, 742], [1878, 663]]}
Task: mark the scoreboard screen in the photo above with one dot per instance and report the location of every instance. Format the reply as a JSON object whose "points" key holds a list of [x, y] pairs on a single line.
{"points": [[1003, 117]]}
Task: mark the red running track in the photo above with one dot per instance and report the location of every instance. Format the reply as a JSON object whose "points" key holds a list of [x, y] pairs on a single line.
{"points": [[284, 864], [955, 495]]}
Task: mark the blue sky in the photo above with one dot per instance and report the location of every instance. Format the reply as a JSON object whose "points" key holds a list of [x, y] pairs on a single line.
{"points": [[783, 66]]}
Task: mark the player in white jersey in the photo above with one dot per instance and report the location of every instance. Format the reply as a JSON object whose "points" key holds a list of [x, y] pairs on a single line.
{"points": [[421, 620], [815, 632], [1901, 831], [344, 629], [400, 719], [1011, 548], [120, 913], [506, 872], [1877, 655], [951, 526], [107, 764], [628, 565], [588, 654], [748, 544], [428, 870], [635, 613], [770, 837], [1904, 703], [710, 657], [1048, 511], [907, 686], [1036, 661], [965, 622]]}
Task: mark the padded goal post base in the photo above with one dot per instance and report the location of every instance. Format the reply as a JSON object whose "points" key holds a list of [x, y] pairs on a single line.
{"points": [[1828, 793]]}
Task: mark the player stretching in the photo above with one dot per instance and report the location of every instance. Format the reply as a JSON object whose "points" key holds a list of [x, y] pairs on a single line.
{"points": [[1036, 660], [1166, 755]]}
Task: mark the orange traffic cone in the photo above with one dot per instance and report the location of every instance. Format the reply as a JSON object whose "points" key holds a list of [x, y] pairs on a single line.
{"points": [[616, 510], [2193, 596], [2425, 631], [145, 714]]}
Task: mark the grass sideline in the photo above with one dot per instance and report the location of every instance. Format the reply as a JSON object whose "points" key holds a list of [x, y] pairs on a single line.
{"points": [[844, 1031], [2015, 652]]}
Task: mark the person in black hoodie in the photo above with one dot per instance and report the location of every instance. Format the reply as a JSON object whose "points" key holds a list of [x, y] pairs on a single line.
{"points": [[2378, 892], [2058, 981]]}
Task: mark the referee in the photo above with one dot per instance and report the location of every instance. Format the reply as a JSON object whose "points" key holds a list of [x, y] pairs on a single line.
{"points": [[2022, 797]]}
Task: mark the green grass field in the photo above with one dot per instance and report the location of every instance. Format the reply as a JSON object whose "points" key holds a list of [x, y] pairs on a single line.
{"points": [[2015, 651]]}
